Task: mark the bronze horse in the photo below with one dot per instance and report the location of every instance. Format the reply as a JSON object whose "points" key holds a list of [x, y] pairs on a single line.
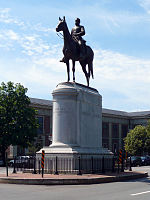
{"points": [[71, 52]]}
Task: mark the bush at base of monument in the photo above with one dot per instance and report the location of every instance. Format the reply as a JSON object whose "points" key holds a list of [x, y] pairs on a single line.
{"points": [[17, 120]]}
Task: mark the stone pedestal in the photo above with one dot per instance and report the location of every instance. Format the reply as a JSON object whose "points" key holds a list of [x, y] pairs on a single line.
{"points": [[77, 124]]}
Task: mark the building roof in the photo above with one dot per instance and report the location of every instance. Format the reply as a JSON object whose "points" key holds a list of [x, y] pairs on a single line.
{"points": [[49, 103], [126, 114], [41, 102], [139, 114], [114, 112]]}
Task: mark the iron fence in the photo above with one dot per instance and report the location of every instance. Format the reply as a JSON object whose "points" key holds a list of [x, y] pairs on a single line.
{"points": [[74, 165]]}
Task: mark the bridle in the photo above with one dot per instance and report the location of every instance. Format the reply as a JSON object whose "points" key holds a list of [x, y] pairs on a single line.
{"points": [[60, 36]]}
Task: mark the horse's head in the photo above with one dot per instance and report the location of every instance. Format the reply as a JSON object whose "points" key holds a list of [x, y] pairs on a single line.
{"points": [[61, 25]]}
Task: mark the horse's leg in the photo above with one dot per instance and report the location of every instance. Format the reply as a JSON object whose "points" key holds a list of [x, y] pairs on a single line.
{"points": [[90, 67], [85, 72], [73, 70], [68, 70], [89, 71]]}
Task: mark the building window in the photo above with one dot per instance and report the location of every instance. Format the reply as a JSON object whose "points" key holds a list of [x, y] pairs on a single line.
{"points": [[40, 128], [115, 130], [115, 149], [105, 130], [124, 130], [105, 145]]}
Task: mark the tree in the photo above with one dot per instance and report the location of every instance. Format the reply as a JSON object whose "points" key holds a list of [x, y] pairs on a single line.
{"points": [[147, 144], [138, 140], [18, 123], [33, 148]]}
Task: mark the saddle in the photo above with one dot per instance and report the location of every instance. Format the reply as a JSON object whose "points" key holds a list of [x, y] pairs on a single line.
{"points": [[81, 49]]}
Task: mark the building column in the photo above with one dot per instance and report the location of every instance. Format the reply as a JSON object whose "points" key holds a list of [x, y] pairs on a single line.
{"points": [[120, 138], [110, 136]]}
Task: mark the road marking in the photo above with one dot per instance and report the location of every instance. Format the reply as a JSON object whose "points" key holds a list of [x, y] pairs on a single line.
{"points": [[140, 193]]}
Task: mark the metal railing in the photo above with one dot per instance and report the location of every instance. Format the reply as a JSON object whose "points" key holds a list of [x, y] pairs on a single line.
{"points": [[75, 165]]}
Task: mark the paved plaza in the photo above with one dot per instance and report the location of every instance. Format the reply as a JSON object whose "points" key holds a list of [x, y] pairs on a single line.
{"points": [[128, 190]]}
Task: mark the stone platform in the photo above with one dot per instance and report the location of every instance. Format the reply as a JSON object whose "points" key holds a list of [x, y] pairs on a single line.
{"points": [[49, 179], [77, 126]]}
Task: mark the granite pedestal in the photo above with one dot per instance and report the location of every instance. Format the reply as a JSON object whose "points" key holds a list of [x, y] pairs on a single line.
{"points": [[77, 127]]}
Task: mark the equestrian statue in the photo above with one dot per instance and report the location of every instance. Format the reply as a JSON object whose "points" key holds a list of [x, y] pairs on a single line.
{"points": [[75, 49]]}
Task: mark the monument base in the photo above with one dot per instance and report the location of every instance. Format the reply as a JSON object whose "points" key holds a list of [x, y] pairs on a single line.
{"points": [[77, 130], [73, 159]]}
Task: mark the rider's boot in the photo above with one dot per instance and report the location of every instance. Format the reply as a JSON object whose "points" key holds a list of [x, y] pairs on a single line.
{"points": [[62, 60], [82, 56], [82, 53]]}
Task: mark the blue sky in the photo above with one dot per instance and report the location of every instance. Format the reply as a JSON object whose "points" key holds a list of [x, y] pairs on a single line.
{"points": [[117, 30]]}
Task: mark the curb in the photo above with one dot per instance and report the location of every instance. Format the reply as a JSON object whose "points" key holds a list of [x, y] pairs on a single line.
{"points": [[73, 181]]}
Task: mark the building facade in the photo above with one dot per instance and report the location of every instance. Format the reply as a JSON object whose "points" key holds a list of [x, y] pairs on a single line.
{"points": [[115, 124]]}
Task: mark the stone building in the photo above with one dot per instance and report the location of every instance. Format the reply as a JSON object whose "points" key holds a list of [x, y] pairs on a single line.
{"points": [[115, 125]]}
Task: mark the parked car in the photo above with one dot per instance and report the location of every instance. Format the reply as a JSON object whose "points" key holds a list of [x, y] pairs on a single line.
{"points": [[135, 161], [19, 160], [145, 160], [1, 163]]}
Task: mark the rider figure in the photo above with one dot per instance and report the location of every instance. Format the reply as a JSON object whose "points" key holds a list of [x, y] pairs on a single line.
{"points": [[77, 32]]}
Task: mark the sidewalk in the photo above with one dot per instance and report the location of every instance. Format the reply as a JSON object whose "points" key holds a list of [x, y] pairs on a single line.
{"points": [[50, 179]]}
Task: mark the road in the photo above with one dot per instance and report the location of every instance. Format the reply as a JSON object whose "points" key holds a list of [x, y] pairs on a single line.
{"points": [[129, 190]]}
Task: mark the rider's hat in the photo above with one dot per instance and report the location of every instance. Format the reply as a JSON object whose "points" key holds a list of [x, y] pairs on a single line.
{"points": [[77, 19]]}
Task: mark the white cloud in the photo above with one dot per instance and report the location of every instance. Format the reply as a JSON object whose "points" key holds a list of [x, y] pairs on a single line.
{"points": [[36, 63], [116, 66], [126, 77], [38, 27], [6, 18], [11, 35], [145, 4]]}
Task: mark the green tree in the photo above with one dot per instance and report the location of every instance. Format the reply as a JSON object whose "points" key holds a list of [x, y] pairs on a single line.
{"points": [[138, 140], [147, 144], [33, 148], [18, 123]]}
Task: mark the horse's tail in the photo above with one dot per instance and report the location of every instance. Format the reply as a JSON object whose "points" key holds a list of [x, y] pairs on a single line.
{"points": [[90, 56], [90, 66], [92, 70]]}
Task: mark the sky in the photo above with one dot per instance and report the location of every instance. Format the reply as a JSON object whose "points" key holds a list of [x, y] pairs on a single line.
{"points": [[118, 31]]}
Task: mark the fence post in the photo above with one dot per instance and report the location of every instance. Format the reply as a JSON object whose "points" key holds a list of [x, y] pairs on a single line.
{"points": [[92, 165], [122, 165], [113, 164], [6, 161], [130, 167], [14, 170], [56, 170], [118, 167], [34, 171], [103, 165], [79, 162], [29, 163], [39, 167], [42, 162]]}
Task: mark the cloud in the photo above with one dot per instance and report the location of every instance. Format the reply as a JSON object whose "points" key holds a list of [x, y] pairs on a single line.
{"points": [[121, 79], [124, 75], [26, 37], [145, 4], [6, 18], [116, 66]]}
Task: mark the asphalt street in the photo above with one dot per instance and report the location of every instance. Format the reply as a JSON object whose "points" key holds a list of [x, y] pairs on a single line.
{"points": [[129, 190]]}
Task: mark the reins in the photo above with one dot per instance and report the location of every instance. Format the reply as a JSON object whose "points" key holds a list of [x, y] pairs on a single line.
{"points": [[60, 36]]}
